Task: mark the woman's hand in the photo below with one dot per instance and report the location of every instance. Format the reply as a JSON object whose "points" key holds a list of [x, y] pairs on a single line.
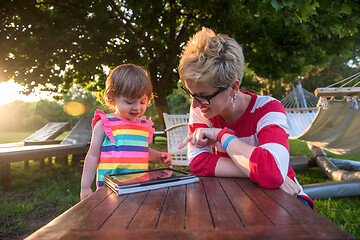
{"points": [[201, 137], [290, 187]]}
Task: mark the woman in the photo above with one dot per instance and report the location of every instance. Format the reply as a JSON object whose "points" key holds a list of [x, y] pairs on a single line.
{"points": [[233, 133]]}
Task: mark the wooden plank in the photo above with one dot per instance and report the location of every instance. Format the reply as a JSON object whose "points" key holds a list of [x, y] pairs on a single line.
{"points": [[276, 232], [127, 209], [173, 213], [329, 92], [222, 212], [299, 210], [96, 217], [301, 109], [330, 231], [49, 132], [198, 215], [63, 223], [306, 216], [42, 151], [250, 214], [44, 135], [276, 214], [45, 142], [148, 214], [221, 197], [5, 174]]}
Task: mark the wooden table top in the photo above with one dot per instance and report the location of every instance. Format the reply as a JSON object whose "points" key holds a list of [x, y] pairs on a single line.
{"points": [[214, 208]]}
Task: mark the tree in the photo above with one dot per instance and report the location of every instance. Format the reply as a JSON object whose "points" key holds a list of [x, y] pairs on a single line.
{"points": [[282, 38], [58, 43], [336, 69]]}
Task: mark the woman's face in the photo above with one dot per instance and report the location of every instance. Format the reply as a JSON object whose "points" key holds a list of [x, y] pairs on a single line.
{"points": [[217, 104]]}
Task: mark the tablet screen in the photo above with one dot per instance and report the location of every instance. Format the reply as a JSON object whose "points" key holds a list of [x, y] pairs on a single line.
{"points": [[148, 177]]}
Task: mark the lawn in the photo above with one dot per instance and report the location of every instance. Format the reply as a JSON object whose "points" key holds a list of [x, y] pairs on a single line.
{"points": [[38, 196]]}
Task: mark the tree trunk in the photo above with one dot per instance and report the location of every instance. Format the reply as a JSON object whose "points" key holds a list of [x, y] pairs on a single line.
{"points": [[159, 85], [161, 106]]}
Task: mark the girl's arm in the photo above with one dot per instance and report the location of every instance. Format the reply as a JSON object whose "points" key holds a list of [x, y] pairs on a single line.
{"points": [[160, 157], [92, 160]]}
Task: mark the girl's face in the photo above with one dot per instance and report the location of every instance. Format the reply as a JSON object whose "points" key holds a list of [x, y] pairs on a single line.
{"points": [[130, 109]]}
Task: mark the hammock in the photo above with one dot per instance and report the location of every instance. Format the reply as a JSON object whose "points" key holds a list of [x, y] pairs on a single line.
{"points": [[301, 110], [334, 125]]}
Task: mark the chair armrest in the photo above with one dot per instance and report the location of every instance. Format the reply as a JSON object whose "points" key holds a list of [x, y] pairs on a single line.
{"points": [[176, 126], [45, 142]]}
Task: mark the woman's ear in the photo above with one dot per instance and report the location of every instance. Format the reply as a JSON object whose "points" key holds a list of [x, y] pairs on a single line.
{"points": [[235, 85]]}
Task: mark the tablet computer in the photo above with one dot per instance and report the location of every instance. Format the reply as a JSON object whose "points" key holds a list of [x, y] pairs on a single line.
{"points": [[147, 180]]}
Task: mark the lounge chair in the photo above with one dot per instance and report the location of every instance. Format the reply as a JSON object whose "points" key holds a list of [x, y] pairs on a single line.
{"points": [[44, 135], [77, 142]]}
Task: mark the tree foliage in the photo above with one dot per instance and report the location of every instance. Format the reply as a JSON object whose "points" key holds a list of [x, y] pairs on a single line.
{"points": [[328, 73], [59, 43], [282, 38]]}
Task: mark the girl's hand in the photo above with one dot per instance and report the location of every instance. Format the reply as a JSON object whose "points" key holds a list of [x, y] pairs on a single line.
{"points": [[85, 192], [166, 158], [201, 137], [290, 187]]}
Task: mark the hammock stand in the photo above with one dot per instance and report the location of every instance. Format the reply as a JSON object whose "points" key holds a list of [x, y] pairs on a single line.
{"points": [[332, 124]]}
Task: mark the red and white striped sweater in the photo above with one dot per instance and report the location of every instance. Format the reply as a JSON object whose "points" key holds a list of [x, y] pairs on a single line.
{"points": [[262, 125]]}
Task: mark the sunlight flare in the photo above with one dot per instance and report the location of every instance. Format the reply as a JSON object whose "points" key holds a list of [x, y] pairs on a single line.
{"points": [[9, 92], [74, 108]]}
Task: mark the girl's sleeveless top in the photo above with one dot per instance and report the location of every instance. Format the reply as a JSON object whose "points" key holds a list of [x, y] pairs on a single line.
{"points": [[125, 147]]}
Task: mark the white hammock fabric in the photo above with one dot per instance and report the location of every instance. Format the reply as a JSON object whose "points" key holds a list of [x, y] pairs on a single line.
{"points": [[299, 121], [334, 127]]}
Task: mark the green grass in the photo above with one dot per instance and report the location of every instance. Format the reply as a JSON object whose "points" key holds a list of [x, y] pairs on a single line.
{"points": [[38, 196], [345, 212], [300, 148], [9, 137]]}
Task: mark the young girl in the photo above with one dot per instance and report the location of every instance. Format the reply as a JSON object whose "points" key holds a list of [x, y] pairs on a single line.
{"points": [[120, 141]]}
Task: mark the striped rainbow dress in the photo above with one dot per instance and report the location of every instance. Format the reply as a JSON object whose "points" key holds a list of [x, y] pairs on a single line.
{"points": [[125, 147]]}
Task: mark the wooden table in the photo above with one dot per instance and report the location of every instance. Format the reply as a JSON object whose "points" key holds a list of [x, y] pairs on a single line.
{"points": [[214, 208]]}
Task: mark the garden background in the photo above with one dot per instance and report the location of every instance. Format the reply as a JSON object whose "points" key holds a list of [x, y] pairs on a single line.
{"points": [[67, 48]]}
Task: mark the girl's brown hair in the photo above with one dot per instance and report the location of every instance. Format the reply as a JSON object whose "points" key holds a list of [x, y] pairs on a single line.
{"points": [[127, 80]]}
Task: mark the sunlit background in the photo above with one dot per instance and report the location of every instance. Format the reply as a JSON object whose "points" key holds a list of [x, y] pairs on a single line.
{"points": [[10, 91]]}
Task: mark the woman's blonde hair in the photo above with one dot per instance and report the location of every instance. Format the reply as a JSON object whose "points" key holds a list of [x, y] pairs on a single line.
{"points": [[127, 80], [214, 58]]}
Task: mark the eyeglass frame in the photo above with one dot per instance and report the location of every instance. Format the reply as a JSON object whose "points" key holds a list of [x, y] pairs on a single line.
{"points": [[206, 100]]}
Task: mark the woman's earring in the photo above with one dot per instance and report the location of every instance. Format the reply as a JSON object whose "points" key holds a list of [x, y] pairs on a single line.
{"points": [[233, 101]]}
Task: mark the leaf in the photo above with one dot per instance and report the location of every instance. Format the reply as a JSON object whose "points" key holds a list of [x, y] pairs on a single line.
{"points": [[345, 9], [277, 5], [288, 3], [324, 4]]}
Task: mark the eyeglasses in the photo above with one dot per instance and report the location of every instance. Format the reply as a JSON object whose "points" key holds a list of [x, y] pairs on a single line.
{"points": [[205, 100]]}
